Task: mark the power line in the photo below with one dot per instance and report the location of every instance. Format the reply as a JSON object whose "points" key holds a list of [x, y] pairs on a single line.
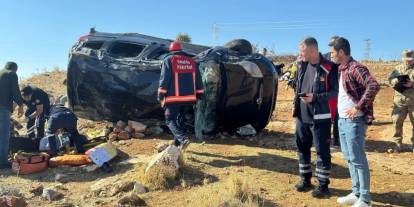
{"points": [[271, 25]]}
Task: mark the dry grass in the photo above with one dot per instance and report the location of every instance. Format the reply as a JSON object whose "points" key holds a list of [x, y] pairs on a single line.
{"points": [[158, 178], [236, 192]]}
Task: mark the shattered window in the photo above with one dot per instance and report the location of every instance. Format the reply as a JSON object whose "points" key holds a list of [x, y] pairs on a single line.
{"points": [[158, 54], [95, 45], [126, 50]]}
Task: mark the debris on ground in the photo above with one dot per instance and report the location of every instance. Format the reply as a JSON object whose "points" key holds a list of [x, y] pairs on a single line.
{"points": [[139, 188], [130, 130], [105, 188], [247, 130], [131, 200], [121, 187], [51, 194], [9, 190], [62, 178], [36, 189], [155, 130], [90, 168], [137, 126], [138, 135], [12, 201], [102, 153]]}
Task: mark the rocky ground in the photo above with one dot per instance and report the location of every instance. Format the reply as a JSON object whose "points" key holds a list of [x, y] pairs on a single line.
{"points": [[230, 171]]}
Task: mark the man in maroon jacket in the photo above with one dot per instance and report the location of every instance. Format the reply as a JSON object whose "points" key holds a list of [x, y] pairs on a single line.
{"points": [[357, 91]]}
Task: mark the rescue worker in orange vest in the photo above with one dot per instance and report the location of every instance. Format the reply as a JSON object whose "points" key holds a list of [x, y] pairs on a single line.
{"points": [[180, 87]]}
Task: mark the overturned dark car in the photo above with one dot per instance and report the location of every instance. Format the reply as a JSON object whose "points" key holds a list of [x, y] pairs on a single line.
{"points": [[114, 76]]}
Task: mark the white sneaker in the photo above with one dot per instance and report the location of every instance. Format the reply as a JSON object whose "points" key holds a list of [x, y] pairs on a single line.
{"points": [[350, 199], [361, 203]]}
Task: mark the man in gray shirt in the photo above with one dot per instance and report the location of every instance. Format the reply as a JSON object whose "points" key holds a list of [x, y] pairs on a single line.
{"points": [[9, 93]]}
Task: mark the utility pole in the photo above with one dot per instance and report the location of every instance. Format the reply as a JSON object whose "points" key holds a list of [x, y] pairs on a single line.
{"points": [[215, 33], [367, 49]]}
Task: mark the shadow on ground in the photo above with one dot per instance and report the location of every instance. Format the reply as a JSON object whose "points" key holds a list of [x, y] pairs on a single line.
{"points": [[264, 161]]}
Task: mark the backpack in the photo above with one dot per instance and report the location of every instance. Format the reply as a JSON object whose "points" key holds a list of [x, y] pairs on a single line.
{"points": [[27, 163]]}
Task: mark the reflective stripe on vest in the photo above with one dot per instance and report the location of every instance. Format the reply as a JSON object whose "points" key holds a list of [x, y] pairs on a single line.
{"points": [[322, 116], [179, 99]]}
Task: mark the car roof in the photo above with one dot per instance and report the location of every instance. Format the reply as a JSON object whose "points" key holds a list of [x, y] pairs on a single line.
{"points": [[143, 39]]}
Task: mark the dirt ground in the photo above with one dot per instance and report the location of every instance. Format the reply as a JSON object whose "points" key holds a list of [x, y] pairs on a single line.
{"points": [[268, 161]]}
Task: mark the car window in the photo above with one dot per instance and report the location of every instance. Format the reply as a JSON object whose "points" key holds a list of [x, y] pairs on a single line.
{"points": [[95, 45], [158, 54], [125, 50]]}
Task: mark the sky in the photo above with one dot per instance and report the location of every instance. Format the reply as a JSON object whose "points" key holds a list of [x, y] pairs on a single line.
{"points": [[37, 34]]}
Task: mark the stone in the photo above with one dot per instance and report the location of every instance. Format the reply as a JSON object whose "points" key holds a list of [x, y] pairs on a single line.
{"points": [[131, 200], [167, 159], [113, 136], [12, 201], [51, 194], [117, 130], [247, 130], [60, 186], [36, 189], [207, 180], [161, 147], [139, 188], [99, 203], [121, 125], [121, 187], [124, 135], [129, 129], [155, 130], [61, 178], [138, 135], [9, 190], [137, 126], [65, 204], [90, 168]]}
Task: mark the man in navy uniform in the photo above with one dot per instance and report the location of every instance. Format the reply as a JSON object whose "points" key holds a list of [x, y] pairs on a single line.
{"points": [[180, 86], [62, 118], [38, 105]]}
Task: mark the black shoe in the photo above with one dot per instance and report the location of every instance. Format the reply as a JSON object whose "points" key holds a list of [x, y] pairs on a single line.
{"points": [[321, 192], [304, 186]]}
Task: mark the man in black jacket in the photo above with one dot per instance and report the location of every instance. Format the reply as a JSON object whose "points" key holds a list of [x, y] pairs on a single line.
{"points": [[38, 106], [314, 104], [9, 93]]}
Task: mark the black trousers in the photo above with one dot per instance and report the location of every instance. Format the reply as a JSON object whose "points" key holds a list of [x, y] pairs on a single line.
{"points": [[174, 118], [319, 135], [40, 128]]}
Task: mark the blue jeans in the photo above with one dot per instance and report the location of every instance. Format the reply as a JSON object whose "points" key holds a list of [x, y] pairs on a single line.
{"points": [[352, 136], [4, 135]]}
